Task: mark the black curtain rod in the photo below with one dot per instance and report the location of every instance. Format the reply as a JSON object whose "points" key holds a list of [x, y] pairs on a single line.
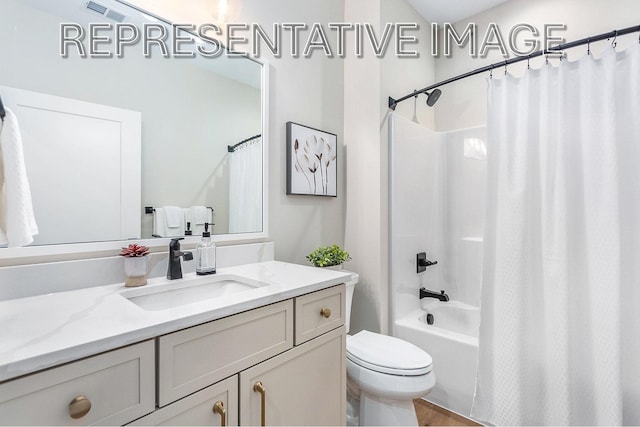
{"points": [[232, 148], [551, 50]]}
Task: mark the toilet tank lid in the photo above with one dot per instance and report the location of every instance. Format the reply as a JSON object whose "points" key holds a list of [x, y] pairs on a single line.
{"points": [[355, 277], [387, 354]]}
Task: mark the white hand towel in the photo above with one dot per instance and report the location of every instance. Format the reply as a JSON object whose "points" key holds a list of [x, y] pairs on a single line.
{"points": [[173, 216], [17, 221], [160, 224], [200, 214]]}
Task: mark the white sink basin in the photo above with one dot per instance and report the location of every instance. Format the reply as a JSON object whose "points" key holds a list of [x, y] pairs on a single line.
{"points": [[178, 292]]}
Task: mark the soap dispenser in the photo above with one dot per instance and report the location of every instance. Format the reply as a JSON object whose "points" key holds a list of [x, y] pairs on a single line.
{"points": [[206, 254]]}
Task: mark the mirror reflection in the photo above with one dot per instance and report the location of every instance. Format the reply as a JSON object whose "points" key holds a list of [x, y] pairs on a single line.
{"points": [[190, 111]]}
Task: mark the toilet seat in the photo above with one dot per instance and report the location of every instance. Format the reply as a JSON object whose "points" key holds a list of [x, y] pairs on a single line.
{"points": [[387, 355]]}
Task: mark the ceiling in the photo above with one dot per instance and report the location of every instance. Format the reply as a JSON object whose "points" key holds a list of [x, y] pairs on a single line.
{"points": [[441, 11]]}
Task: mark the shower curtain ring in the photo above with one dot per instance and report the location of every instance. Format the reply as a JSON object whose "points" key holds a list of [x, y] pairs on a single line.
{"points": [[588, 46], [615, 37], [529, 62], [505, 67], [491, 72]]}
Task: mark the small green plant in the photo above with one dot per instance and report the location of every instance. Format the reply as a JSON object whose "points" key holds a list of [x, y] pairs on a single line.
{"points": [[328, 255]]}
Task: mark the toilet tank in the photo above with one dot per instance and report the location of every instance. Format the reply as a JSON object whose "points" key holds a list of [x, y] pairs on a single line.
{"points": [[350, 284]]}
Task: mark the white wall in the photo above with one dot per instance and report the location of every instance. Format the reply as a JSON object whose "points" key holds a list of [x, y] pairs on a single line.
{"points": [[402, 76], [369, 81], [309, 91], [463, 104], [363, 236]]}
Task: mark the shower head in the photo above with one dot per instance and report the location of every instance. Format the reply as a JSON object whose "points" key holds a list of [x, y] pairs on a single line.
{"points": [[433, 97]]}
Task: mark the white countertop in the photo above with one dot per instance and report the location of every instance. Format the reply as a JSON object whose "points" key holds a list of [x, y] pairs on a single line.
{"points": [[47, 330]]}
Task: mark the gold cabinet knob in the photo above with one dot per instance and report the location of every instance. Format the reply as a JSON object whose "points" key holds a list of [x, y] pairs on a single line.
{"points": [[325, 312], [79, 407]]}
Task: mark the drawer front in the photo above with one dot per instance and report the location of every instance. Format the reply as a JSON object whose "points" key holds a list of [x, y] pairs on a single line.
{"points": [[199, 409], [319, 312], [120, 386], [191, 359]]}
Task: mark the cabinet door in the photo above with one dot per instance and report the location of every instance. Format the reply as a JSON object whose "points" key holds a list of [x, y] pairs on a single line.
{"points": [[303, 386], [216, 405]]}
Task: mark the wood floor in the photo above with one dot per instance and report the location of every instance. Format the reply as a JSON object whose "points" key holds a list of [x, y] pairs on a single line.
{"points": [[433, 415]]}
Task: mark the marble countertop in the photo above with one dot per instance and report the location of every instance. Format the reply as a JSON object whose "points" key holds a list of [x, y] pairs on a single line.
{"points": [[47, 330]]}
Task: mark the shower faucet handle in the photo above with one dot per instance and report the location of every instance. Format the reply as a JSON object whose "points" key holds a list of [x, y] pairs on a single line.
{"points": [[422, 262]]}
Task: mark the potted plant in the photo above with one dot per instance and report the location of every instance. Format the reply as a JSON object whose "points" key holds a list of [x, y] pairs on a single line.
{"points": [[136, 263], [328, 256]]}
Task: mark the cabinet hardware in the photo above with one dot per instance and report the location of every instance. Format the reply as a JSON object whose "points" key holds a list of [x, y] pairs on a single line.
{"points": [[79, 407], [259, 388], [218, 408], [325, 312]]}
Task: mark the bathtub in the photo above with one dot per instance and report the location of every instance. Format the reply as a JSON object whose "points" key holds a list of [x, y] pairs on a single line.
{"points": [[452, 342]]}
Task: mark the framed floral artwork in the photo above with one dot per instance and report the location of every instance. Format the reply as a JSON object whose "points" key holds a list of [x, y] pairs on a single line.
{"points": [[311, 161]]}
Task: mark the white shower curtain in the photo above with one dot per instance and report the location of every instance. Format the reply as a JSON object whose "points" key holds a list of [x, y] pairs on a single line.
{"points": [[245, 188], [560, 330]]}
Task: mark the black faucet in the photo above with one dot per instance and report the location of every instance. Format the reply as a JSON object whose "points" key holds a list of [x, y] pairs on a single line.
{"points": [[174, 271], [426, 293]]}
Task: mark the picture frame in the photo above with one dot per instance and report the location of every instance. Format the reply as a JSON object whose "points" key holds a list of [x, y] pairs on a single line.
{"points": [[312, 157]]}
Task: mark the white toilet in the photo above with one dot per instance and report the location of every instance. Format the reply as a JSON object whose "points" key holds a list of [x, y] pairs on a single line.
{"points": [[384, 375]]}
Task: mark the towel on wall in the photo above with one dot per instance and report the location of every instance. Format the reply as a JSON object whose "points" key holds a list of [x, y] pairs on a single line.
{"points": [[160, 227], [17, 221]]}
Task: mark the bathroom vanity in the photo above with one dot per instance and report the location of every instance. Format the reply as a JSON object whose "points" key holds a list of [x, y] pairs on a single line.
{"points": [[268, 349]]}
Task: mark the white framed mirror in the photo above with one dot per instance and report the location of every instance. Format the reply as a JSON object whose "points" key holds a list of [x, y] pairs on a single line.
{"points": [[191, 111]]}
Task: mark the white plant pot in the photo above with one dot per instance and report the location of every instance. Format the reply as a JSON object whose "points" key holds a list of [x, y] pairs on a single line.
{"points": [[135, 270]]}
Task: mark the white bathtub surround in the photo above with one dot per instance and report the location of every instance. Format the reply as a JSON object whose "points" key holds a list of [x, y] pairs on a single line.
{"points": [[17, 221], [559, 340], [436, 205], [452, 342], [47, 330], [453, 316]]}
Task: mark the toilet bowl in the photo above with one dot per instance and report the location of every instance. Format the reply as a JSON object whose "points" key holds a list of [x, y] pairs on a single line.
{"points": [[384, 375]]}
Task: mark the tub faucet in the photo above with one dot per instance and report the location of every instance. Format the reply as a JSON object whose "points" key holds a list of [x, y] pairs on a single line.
{"points": [[174, 271], [426, 293]]}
